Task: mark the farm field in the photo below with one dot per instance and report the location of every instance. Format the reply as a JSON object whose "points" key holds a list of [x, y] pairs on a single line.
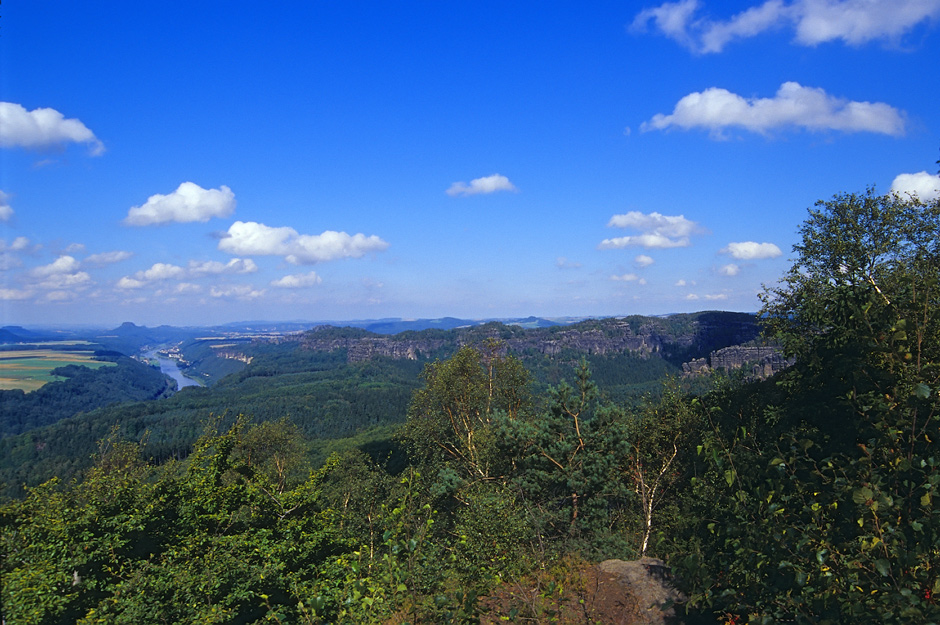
{"points": [[29, 369]]}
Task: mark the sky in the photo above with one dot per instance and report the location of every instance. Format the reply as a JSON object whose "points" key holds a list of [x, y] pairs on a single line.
{"points": [[204, 162]]}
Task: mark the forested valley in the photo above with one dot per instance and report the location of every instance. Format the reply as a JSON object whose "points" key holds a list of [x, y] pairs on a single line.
{"points": [[330, 480]]}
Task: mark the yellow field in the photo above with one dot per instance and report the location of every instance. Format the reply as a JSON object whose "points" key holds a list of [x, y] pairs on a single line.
{"points": [[29, 369]]}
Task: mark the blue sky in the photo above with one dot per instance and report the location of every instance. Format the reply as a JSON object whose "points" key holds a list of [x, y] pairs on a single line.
{"points": [[194, 163]]}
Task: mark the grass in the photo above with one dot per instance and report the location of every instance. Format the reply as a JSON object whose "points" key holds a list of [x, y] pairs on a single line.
{"points": [[29, 369]]}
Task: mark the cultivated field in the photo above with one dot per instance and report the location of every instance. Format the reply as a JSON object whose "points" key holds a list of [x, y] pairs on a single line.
{"points": [[29, 369]]}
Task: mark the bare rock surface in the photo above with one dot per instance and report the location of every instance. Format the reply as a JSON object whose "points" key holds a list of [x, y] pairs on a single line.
{"points": [[648, 581]]}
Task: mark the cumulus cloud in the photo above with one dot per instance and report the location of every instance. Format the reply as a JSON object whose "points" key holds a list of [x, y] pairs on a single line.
{"points": [[751, 250], [19, 244], [187, 204], [108, 258], [63, 264], [15, 294], [854, 22], [793, 106], [62, 273], [157, 273], [236, 265], [656, 231], [729, 270], [249, 238], [43, 128], [238, 291], [564, 263], [922, 185], [298, 281], [160, 271], [129, 283], [717, 296], [8, 252], [487, 184], [186, 288], [628, 277], [6, 211], [643, 260]]}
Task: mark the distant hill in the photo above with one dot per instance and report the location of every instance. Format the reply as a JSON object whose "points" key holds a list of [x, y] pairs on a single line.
{"points": [[341, 382], [19, 334]]}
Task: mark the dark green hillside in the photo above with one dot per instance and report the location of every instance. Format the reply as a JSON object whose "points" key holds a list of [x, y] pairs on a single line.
{"points": [[320, 393], [85, 389]]}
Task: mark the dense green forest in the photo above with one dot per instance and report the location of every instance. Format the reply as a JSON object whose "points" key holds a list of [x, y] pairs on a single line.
{"points": [[808, 498], [83, 390], [334, 402]]}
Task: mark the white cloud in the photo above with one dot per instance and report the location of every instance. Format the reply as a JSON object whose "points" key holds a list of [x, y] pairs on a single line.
{"points": [[61, 265], [729, 270], [236, 265], [751, 250], [160, 271], [256, 239], [681, 282], [43, 128], [691, 297], [6, 211], [59, 296], [65, 280], [667, 225], [923, 185], [8, 252], [62, 273], [657, 231], [563, 263], [487, 184], [628, 277], [19, 244], [643, 260], [298, 281], [642, 240], [185, 288], [854, 22], [793, 105], [859, 21], [14, 294], [240, 291], [187, 204], [129, 283], [108, 258]]}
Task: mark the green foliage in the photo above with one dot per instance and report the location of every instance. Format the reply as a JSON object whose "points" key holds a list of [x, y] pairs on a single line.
{"points": [[224, 540], [452, 419], [823, 488], [83, 390], [323, 400]]}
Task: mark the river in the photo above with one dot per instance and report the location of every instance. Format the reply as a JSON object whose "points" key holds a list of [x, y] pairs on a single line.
{"points": [[169, 367]]}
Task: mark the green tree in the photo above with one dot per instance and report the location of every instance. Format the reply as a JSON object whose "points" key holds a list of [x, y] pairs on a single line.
{"points": [[823, 485], [452, 418]]}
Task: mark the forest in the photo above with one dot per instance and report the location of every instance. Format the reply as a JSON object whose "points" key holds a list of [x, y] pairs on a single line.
{"points": [[808, 497]]}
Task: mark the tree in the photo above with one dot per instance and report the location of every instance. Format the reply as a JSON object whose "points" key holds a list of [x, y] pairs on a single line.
{"points": [[659, 440], [451, 419], [823, 488]]}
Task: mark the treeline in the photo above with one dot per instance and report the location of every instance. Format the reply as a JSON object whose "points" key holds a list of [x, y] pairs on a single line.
{"points": [[84, 389], [325, 399]]}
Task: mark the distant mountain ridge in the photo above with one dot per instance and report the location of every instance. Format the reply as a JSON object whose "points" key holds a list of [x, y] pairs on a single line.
{"points": [[676, 338]]}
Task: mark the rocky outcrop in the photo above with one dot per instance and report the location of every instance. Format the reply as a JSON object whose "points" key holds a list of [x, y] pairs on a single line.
{"points": [[759, 362], [676, 338], [649, 584]]}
